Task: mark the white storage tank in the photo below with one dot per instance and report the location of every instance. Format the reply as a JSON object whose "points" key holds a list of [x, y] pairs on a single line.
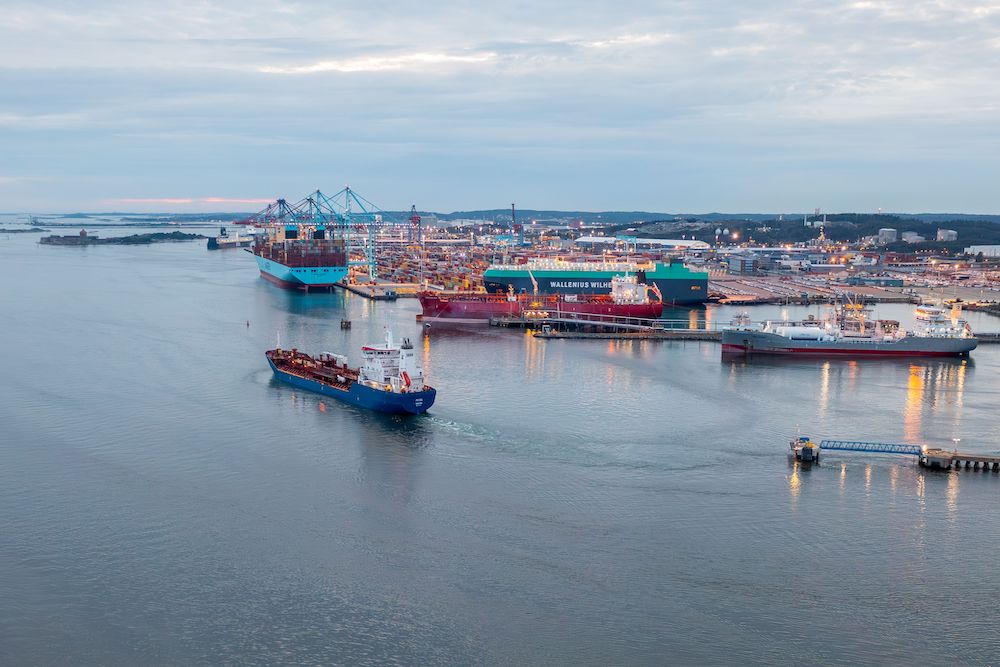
{"points": [[800, 333]]}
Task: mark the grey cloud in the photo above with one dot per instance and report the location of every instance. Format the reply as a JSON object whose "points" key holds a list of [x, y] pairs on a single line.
{"points": [[680, 105]]}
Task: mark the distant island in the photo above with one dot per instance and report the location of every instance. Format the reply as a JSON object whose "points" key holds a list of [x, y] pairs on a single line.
{"points": [[83, 238], [31, 230]]}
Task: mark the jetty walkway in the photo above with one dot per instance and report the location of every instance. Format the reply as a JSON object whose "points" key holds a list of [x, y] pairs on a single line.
{"points": [[927, 457]]}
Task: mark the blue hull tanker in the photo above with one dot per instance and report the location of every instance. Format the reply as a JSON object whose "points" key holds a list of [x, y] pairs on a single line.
{"points": [[389, 380]]}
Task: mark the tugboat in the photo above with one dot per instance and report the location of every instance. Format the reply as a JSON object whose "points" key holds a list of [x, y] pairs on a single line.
{"points": [[390, 379]]}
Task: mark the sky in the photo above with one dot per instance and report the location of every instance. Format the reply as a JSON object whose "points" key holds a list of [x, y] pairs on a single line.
{"points": [[671, 106]]}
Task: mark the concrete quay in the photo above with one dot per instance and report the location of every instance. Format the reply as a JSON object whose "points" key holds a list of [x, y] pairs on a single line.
{"points": [[660, 334], [382, 291], [942, 459]]}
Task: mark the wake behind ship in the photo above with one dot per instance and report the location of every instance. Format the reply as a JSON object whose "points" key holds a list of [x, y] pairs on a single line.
{"points": [[300, 257], [677, 284]]}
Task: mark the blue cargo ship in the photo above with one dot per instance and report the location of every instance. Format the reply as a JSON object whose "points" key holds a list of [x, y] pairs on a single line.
{"points": [[301, 257], [390, 379]]}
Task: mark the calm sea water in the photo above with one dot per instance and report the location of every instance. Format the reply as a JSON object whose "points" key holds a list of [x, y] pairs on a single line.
{"points": [[163, 501]]}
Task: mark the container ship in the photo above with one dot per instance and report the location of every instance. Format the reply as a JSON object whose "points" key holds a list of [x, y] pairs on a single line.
{"points": [[628, 298], [851, 332], [300, 257], [677, 284], [389, 380]]}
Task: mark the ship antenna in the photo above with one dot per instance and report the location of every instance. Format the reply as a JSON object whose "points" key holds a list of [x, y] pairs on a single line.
{"points": [[278, 336]]}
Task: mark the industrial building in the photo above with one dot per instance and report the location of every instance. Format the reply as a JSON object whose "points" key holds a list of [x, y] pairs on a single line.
{"points": [[987, 250], [887, 235]]}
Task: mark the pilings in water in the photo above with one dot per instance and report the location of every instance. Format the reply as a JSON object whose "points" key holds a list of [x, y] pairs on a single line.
{"points": [[945, 460], [942, 459]]}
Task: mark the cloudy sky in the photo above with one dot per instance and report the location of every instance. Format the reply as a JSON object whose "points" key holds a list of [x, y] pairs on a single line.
{"points": [[686, 105]]}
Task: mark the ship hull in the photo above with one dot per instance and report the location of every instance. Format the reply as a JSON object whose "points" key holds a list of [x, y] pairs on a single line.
{"points": [[759, 342], [300, 277], [466, 310], [413, 403], [481, 308]]}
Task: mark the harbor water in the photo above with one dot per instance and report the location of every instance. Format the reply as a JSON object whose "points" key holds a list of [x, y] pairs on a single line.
{"points": [[164, 501]]}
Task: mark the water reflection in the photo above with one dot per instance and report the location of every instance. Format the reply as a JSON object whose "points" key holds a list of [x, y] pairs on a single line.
{"points": [[914, 404], [895, 474], [425, 356], [951, 494], [824, 388], [534, 355], [934, 386], [795, 482], [929, 384], [299, 302], [697, 317]]}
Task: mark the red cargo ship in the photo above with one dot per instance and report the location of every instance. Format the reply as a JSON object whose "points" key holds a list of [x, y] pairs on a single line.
{"points": [[628, 298]]}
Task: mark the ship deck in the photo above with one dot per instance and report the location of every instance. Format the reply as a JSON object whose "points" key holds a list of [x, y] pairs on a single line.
{"points": [[306, 367]]}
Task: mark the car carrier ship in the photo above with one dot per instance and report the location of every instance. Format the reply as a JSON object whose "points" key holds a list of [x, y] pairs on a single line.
{"points": [[225, 241], [297, 256], [852, 333], [677, 284], [628, 298], [389, 380]]}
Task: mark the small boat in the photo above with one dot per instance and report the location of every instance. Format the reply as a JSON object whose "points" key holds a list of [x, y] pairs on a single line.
{"points": [[390, 379]]}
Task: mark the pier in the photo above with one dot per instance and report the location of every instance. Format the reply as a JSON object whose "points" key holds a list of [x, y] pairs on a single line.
{"points": [[578, 320], [927, 457], [605, 327], [656, 334], [382, 291]]}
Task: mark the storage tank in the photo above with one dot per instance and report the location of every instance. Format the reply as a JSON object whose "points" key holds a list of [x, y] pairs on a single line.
{"points": [[800, 333]]}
